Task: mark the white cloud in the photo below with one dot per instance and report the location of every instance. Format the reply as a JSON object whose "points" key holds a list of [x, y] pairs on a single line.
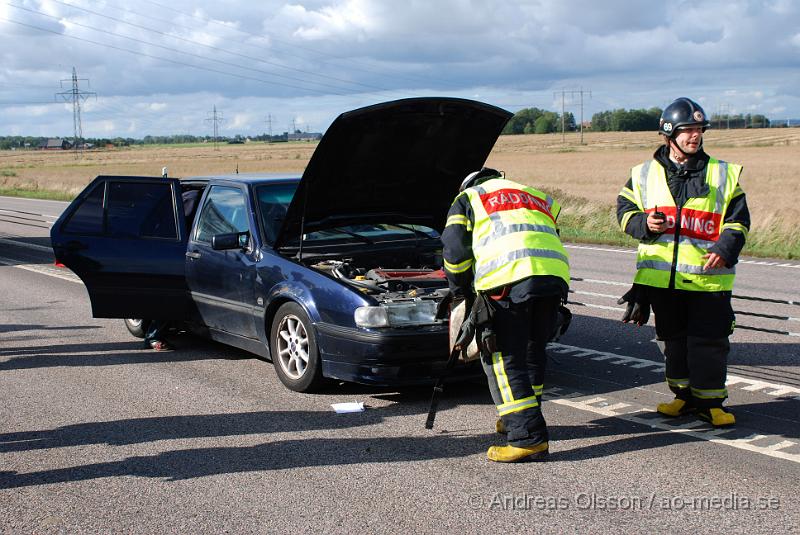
{"points": [[309, 60]]}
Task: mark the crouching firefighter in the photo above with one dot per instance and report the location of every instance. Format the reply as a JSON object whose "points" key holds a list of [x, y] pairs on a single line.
{"points": [[502, 248]]}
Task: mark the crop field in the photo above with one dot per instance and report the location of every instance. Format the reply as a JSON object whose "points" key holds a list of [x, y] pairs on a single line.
{"points": [[585, 178]]}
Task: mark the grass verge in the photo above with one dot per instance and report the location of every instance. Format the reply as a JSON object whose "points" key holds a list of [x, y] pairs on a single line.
{"points": [[37, 194]]}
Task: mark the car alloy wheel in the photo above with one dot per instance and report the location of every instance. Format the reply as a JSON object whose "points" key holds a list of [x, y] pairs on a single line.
{"points": [[294, 349], [292, 346]]}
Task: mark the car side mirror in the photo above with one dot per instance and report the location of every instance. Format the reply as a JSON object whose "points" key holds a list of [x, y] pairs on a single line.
{"points": [[231, 240]]}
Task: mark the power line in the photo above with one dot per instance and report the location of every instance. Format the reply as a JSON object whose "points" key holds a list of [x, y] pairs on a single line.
{"points": [[211, 47], [170, 49], [76, 95], [153, 56], [290, 46]]}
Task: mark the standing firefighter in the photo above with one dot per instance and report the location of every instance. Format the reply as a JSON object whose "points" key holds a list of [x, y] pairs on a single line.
{"points": [[691, 219], [501, 241]]}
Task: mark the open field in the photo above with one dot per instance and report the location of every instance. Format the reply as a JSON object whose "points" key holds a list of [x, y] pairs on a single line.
{"points": [[584, 178]]}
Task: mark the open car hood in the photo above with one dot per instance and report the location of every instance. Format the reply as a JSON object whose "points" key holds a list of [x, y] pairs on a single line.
{"points": [[395, 162]]}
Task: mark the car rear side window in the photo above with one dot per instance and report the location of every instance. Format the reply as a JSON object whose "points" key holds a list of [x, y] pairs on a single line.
{"points": [[88, 217], [141, 210], [224, 211]]}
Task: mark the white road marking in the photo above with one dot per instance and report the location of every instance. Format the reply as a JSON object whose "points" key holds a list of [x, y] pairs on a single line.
{"points": [[695, 429], [26, 245], [595, 294], [598, 281], [595, 248], [781, 445], [50, 271], [750, 385], [633, 251]]}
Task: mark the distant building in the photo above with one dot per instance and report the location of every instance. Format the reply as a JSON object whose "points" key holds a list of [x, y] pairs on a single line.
{"points": [[305, 136], [55, 143]]}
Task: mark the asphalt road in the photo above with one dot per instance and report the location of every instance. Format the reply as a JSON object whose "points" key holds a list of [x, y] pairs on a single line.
{"points": [[98, 434]]}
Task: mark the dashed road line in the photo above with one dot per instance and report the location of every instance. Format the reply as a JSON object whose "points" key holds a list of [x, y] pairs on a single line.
{"points": [[769, 445], [633, 251], [750, 385]]}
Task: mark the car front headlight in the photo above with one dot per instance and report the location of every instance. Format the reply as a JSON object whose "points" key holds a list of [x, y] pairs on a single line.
{"points": [[401, 314], [371, 317]]}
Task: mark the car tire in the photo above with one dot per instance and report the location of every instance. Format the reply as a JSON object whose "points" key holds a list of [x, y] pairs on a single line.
{"points": [[293, 347], [137, 327]]}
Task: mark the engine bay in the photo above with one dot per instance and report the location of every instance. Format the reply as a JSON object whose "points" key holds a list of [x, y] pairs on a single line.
{"points": [[388, 284]]}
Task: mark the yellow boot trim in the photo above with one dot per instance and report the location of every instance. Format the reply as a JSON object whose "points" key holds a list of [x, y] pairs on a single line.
{"points": [[676, 407], [513, 454], [500, 427], [717, 417]]}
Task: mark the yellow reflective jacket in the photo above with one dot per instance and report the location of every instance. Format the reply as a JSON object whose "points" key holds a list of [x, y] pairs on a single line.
{"points": [[692, 229], [514, 234]]}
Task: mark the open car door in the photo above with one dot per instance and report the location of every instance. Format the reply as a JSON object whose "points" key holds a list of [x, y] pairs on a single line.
{"points": [[125, 238]]}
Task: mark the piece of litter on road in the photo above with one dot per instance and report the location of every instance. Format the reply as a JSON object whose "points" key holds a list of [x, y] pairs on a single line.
{"points": [[354, 406]]}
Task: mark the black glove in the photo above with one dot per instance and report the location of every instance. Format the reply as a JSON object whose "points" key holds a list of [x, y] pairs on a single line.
{"points": [[443, 308], [563, 319], [638, 309], [451, 300]]}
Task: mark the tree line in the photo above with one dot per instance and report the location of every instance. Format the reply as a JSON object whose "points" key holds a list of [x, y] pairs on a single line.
{"points": [[538, 121], [525, 121], [33, 142]]}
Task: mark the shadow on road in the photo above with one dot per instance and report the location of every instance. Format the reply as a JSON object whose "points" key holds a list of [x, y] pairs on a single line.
{"points": [[18, 327], [297, 453]]}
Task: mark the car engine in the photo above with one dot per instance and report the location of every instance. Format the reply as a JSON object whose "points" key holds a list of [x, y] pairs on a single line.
{"points": [[388, 283]]}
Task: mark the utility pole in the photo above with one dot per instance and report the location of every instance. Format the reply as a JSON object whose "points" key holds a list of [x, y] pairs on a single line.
{"points": [[573, 92], [269, 128], [727, 108], [215, 119], [76, 96]]}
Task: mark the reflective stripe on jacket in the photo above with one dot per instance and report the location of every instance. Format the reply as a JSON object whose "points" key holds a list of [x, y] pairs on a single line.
{"points": [[514, 234], [692, 228]]}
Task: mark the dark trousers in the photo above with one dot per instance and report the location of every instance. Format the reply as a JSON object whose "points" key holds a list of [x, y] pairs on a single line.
{"points": [[694, 327], [522, 331], [156, 330]]}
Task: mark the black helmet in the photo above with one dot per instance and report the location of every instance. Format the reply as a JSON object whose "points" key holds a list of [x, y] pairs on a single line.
{"points": [[476, 177], [682, 112]]}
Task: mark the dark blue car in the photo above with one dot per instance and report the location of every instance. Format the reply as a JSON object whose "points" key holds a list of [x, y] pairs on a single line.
{"points": [[335, 274]]}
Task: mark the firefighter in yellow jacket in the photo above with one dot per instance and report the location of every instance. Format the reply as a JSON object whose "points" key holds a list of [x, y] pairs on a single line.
{"points": [[501, 240], [691, 219]]}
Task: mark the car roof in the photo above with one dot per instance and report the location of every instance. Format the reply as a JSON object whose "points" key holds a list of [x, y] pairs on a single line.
{"points": [[249, 178]]}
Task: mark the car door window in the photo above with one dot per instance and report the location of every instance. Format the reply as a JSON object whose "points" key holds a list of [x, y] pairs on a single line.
{"points": [[141, 210], [224, 211], [88, 216]]}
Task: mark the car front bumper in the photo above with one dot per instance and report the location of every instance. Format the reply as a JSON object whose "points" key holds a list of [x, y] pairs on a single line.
{"points": [[390, 357]]}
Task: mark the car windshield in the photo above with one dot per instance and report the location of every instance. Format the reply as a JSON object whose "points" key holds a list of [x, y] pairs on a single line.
{"points": [[274, 199]]}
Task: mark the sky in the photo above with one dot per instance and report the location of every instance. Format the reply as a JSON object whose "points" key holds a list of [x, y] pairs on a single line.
{"points": [[161, 67]]}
